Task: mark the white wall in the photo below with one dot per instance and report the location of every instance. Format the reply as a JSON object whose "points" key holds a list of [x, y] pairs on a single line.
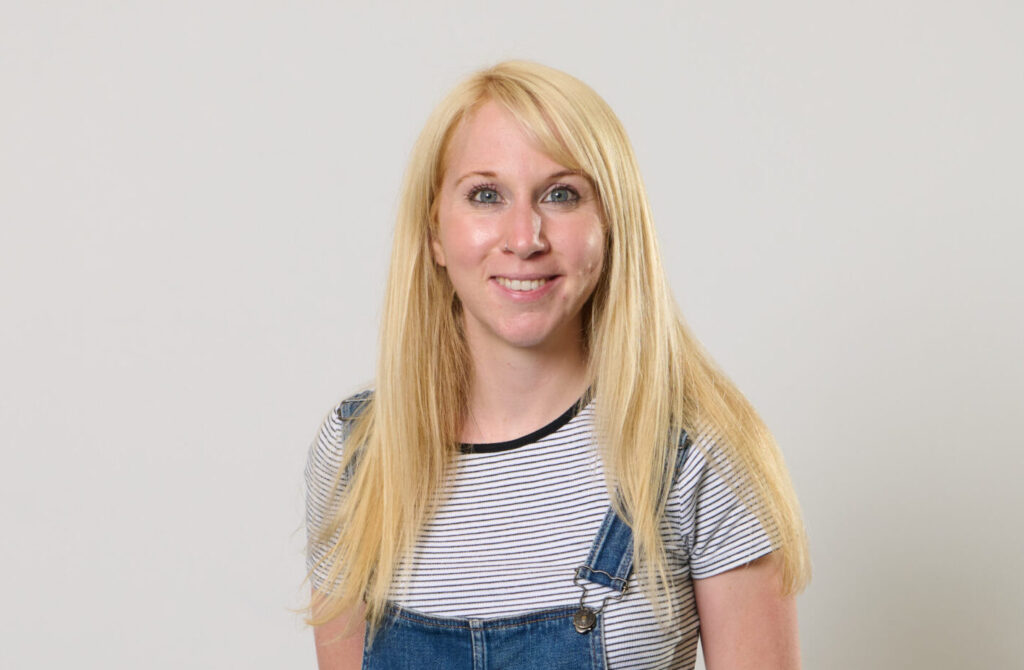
{"points": [[196, 201]]}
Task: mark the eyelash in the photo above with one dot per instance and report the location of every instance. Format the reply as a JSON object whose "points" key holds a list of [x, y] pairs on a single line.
{"points": [[574, 195], [471, 196]]}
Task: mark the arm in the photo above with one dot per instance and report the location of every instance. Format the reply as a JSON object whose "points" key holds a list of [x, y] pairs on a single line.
{"points": [[338, 648], [745, 621]]}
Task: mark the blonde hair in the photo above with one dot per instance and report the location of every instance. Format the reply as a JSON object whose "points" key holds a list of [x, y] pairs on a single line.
{"points": [[650, 377]]}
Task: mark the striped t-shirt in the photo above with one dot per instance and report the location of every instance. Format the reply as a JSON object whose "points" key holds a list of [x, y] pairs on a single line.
{"points": [[515, 520]]}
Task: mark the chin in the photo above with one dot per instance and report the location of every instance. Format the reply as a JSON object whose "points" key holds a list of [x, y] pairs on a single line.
{"points": [[533, 338], [523, 331]]}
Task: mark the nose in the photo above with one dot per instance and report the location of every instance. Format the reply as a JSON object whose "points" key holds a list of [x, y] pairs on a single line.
{"points": [[525, 234]]}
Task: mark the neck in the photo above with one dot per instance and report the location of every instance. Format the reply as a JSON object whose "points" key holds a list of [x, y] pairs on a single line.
{"points": [[514, 391]]}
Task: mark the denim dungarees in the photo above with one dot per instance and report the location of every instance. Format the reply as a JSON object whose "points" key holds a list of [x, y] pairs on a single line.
{"points": [[562, 638]]}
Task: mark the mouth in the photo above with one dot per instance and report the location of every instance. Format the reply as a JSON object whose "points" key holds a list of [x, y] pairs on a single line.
{"points": [[522, 285]]}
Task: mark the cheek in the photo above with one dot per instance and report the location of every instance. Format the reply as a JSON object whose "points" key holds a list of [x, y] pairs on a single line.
{"points": [[591, 252], [462, 240], [464, 247]]}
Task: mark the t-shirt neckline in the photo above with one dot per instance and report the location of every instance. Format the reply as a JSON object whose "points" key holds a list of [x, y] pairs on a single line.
{"points": [[492, 447]]}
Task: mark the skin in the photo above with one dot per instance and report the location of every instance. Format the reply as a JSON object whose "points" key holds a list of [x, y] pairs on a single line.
{"points": [[745, 621], [507, 210], [338, 646]]}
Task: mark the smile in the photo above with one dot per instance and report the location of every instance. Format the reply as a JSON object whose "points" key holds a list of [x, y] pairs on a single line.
{"points": [[521, 284]]}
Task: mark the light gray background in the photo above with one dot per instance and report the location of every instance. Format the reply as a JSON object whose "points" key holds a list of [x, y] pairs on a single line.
{"points": [[196, 201]]}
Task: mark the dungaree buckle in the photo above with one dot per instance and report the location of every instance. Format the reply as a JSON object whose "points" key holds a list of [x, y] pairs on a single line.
{"points": [[585, 617]]}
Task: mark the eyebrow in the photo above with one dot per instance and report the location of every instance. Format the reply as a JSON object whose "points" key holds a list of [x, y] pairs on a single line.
{"points": [[494, 175]]}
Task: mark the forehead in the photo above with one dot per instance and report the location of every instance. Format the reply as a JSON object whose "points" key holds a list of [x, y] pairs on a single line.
{"points": [[491, 139]]}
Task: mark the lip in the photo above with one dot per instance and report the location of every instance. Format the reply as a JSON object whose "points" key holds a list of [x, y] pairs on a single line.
{"points": [[526, 296], [527, 277]]}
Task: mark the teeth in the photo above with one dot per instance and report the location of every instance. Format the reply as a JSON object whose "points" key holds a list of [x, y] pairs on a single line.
{"points": [[521, 284]]}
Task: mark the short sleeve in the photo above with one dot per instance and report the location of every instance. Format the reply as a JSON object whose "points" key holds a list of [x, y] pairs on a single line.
{"points": [[720, 531], [322, 464]]}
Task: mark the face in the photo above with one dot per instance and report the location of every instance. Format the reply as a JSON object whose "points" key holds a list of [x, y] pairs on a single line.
{"points": [[520, 235]]}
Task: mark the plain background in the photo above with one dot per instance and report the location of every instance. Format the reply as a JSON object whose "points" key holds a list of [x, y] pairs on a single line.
{"points": [[196, 202]]}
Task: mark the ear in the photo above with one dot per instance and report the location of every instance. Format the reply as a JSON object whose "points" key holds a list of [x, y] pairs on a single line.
{"points": [[437, 251]]}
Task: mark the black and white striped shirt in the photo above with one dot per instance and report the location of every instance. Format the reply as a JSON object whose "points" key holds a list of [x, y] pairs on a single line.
{"points": [[517, 518]]}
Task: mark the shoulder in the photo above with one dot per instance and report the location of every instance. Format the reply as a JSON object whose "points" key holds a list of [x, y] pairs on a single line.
{"points": [[710, 474], [714, 509], [325, 481], [326, 452], [702, 451]]}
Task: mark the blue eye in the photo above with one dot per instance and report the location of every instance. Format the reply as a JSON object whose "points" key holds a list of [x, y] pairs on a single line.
{"points": [[561, 194], [484, 195]]}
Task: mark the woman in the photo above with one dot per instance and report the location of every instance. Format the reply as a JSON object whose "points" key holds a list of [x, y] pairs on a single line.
{"points": [[459, 513]]}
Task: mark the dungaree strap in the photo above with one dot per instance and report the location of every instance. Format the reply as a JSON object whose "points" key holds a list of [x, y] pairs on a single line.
{"points": [[611, 556]]}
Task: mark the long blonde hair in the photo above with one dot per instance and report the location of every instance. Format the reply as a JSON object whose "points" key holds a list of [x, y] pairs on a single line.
{"points": [[650, 377]]}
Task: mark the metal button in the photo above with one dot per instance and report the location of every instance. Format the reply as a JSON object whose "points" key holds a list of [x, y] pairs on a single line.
{"points": [[584, 620]]}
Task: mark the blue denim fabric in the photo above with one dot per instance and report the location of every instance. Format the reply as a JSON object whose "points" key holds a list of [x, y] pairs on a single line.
{"points": [[548, 639], [545, 639]]}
